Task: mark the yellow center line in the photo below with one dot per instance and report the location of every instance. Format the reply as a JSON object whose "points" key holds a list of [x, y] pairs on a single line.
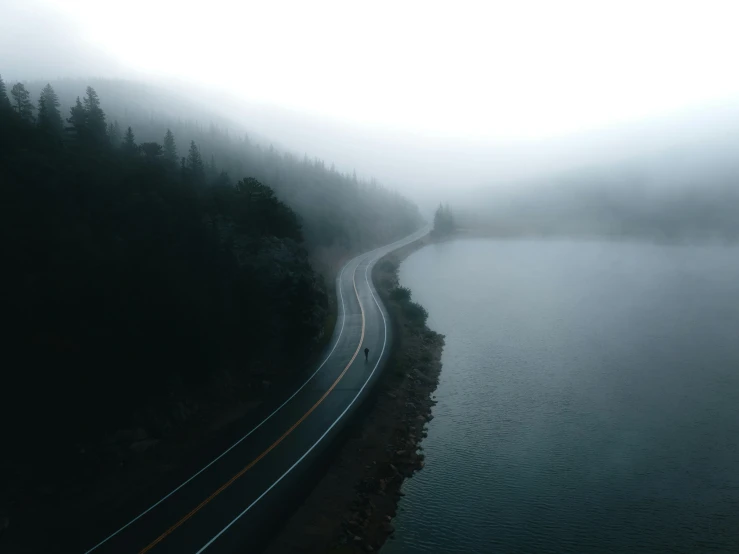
{"points": [[251, 464]]}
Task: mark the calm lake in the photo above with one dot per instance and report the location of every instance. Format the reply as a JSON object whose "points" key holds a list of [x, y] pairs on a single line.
{"points": [[589, 399]]}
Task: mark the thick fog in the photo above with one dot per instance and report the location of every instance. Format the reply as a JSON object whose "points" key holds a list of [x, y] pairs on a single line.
{"points": [[455, 103]]}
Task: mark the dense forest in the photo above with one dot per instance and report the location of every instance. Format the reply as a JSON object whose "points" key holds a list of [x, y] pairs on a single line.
{"points": [[340, 213], [144, 272]]}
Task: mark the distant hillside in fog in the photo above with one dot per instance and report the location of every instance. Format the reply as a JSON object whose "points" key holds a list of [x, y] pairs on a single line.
{"points": [[690, 192]]}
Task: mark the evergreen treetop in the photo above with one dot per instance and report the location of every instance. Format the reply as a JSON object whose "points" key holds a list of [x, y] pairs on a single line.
{"points": [[151, 149], [78, 121], [49, 117], [95, 116], [443, 221], [4, 101], [195, 163], [114, 134], [170, 148], [21, 101], [129, 142]]}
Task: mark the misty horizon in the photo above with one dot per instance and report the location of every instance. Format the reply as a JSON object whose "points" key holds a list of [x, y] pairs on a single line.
{"points": [[422, 167], [422, 161]]}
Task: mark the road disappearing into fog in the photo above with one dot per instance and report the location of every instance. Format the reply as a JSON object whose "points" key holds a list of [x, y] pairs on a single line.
{"points": [[226, 506]]}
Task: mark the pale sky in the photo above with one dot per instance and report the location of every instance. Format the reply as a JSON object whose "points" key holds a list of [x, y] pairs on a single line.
{"points": [[492, 70]]}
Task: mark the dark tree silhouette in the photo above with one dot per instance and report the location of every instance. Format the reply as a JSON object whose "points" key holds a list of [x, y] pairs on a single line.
{"points": [[223, 180], [114, 134], [443, 221], [170, 148], [95, 117], [21, 101], [211, 171], [4, 101], [129, 143], [151, 149], [78, 122], [259, 212], [49, 117], [195, 164]]}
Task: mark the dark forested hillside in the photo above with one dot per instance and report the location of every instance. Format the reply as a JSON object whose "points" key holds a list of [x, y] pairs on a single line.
{"points": [[339, 212], [145, 273]]}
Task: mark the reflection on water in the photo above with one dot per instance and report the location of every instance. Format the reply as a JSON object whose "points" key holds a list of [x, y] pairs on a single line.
{"points": [[589, 399]]}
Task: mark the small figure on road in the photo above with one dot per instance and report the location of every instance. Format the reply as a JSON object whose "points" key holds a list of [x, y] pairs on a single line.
{"points": [[366, 354]]}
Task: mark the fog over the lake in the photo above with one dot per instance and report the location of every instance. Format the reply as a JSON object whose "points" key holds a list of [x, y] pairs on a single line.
{"points": [[437, 100]]}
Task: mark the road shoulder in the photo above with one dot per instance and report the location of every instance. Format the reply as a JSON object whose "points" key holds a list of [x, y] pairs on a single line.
{"points": [[351, 507]]}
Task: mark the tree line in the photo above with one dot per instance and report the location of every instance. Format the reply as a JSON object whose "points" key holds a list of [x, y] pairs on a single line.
{"points": [[444, 223], [340, 212]]}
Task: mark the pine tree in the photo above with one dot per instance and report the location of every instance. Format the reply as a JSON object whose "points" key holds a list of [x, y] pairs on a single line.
{"points": [[21, 101], [210, 170], [170, 148], [151, 150], [78, 120], [443, 221], [95, 116], [195, 163], [114, 134], [49, 117], [129, 143], [223, 180], [4, 102]]}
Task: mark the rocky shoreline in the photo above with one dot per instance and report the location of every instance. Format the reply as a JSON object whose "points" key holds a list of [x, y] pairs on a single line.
{"points": [[351, 508]]}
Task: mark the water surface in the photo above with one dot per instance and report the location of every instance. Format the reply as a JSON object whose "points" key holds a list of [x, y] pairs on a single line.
{"points": [[589, 399]]}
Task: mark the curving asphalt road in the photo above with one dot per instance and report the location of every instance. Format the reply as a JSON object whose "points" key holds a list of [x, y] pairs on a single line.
{"points": [[225, 506]]}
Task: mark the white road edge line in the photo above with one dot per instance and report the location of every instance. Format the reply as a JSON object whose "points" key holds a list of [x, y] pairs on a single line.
{"points": [[343, 319], [379, 358]]}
